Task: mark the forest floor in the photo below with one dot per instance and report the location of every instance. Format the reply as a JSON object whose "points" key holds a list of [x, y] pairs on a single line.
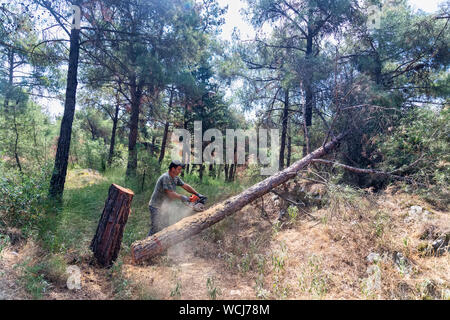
{"points": [[353, 245]]}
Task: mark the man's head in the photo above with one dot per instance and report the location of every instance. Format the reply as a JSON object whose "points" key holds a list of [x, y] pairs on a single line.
{"points": [[175, 168]]}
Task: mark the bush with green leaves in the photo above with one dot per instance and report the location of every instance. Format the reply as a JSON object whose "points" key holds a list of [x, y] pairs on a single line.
{"points": [[22, 196], [422, 139]]}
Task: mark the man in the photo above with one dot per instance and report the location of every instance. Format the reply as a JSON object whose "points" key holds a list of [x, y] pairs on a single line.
{"points": [[165, 190]]}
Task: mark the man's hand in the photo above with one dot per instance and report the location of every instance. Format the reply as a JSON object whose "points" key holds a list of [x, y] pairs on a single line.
{"points": [[200, 195], [184, 198]]}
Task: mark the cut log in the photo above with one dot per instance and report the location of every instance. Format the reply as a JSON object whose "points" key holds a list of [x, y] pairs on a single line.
{"points": [[108, 237], [189, 226]]}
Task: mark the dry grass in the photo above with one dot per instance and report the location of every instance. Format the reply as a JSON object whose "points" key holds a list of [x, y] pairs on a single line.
{"points": [[248, 255], [80, 178], [323, 259]]}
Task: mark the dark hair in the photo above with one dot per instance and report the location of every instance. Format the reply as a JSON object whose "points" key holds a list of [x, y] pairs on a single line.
{"points": [[175, 164]]}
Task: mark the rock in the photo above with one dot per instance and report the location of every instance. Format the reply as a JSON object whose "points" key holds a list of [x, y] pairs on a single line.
{"points": [[415, 210], [446, 294], [438, 246], [439, 243], [373, 257], [373, 281], [402, 263], [282, 215], [429, 290], [416, 213], [235, 292]]}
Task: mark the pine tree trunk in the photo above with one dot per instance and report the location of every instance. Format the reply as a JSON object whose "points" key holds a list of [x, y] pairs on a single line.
{"points": [[284, 122], [289, 151], [135, 92], [62, 153], [153, 147], [230, 172], [113, 133], [226, 168], [16, 143], [166, 131], [308, 81], [108, 237], [189, 226]]}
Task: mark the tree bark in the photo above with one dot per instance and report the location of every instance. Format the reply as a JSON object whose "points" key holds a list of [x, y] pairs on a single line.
{"points": [[192, 225], [309, 79], [166, 131], [113, 133], [231, 172], [108, 237], [289, 151], [226, 168], [135, 91], [62, 153], [284, 122], [153, 147], [16, 143]]}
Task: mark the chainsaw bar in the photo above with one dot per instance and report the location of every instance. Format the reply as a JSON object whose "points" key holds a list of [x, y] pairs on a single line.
{"points": [[196, 203], [196, 206]]}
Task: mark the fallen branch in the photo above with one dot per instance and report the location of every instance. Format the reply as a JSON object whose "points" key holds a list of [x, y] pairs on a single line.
{"points": [[189, 226], [369, 171]]}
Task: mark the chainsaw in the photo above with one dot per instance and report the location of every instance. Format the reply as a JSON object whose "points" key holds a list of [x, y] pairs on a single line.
{"points": [[197, 203]]}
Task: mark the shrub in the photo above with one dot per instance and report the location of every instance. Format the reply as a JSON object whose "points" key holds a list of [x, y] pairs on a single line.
{"points": [[22, 196], [424, 135]]}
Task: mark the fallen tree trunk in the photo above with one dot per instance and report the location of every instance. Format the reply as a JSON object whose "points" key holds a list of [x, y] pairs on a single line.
{"points": [[189, 226], [108, 237]]}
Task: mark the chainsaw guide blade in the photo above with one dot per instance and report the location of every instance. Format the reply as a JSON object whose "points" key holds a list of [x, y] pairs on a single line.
{"points": [[196, 206]]}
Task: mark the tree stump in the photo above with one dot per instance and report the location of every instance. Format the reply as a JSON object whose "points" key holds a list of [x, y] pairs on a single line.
{"points": [[108, 237]]}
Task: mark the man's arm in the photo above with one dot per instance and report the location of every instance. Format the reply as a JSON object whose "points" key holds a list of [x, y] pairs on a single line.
{"points": [[189, 189], [173, 195]]}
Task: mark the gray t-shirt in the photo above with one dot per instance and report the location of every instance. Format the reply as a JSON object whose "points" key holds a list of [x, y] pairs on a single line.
{"points": [[165, 182]]}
